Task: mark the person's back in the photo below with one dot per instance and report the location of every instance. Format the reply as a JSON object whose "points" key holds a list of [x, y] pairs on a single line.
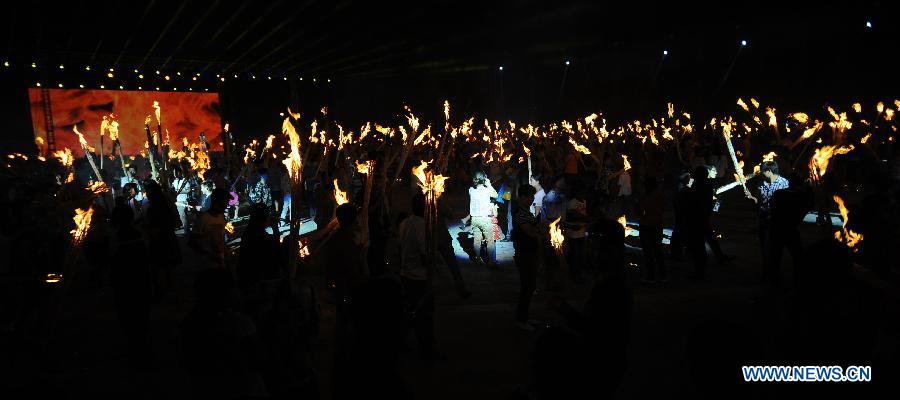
{"points": [[412, 247]]}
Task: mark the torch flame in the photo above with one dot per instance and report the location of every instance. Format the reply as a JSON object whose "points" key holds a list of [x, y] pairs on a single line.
{"points": [[845, 235], [579, 147], [65, 157], [866, 138], [556, 236], [622, 221], [98, 187], [429, 182], [156, 111], [800, 117], [626, 164], [364, 167], [82, 220], [340, 196], [818, 164], [229, 228], [743, 105]]}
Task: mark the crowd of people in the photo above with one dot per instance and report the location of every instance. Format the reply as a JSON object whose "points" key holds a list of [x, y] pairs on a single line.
{"points": [[257, 304]]}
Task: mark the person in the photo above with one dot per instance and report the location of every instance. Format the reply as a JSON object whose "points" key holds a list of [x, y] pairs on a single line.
{"points": [[681, 205], [220, 346], [416, 274], [553, 209], [772, 182], [209, 239], [576, 232], [699, 210], [650, 216], [134, 199], [132, 284], [526, 239], [481, 210], [539, 194], [259, 250], [165, 253], [182, 189], [444, 247]]}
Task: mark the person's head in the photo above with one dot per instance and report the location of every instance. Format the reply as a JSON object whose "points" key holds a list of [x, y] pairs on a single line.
{"points": [[535, 181], [479, 179], [218, 201], [207, 187], [346, 215], [154, 191], [417, 203], [650, 184], [769, 171], [685, 179], [129, 190], [526, 195], [701, 174]]}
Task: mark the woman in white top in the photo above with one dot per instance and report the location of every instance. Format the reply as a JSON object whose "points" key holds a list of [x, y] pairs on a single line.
{"points": [[481, 209]]}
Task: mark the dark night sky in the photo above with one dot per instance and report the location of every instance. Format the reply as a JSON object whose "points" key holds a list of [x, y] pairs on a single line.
{"points": [[381, 54]]}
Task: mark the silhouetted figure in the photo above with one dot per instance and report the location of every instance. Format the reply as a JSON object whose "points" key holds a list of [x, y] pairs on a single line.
{"points": [[681, 205], [772, 182], [699, 210], [209, 239], [259, 250], [219, 345], [650, 211], [526, 239], [416, 272], [161, 221], [132, 285]]}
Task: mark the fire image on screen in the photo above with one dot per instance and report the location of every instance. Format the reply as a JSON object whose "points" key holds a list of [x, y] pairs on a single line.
{"points": [[183, 114]]}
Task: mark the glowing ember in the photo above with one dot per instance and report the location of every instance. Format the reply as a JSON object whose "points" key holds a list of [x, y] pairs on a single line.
{"points": [[340, 196], [303, 251], [818, 164], [849, 237], [622, 221], [556, 236], [82, 220]]}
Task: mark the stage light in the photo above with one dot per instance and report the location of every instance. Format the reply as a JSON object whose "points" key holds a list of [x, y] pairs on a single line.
{"points": [[102, 86], [81, 86], [60, 85], [235, 76], [87, 67], [6, 63], [174, 89], [190, 89], [252, 76], [665, 52], [121, 87], [501, 68], [869, 24], [222, 79], [140, 88], [141, 76], [329, 81], [194, 78], [301, 78], [178, 73], [135, 71], [269, 78], [314, 79], [198, 74], [743, 43], [285, 78], [157, 88], [62, 66], [112, 70], [38, 84], [167, 77], [205, 90], [567, 63], [33, 65], [157, 72], [110, 74]]}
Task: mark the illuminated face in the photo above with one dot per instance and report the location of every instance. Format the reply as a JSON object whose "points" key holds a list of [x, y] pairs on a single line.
{"points": [[769, 176]]}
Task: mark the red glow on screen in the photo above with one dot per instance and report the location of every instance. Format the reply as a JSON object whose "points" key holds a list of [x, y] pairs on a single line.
{"points": [[184, 114]]}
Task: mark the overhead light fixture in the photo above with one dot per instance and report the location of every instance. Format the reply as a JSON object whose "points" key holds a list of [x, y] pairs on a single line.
{"points": [[81, 86], [743, 43], [5, 63], [194, 78], [102, 87], [62, 66], [60, 85], [33, 65], [38, 84], [269, 78], [87, 67], [109, 74], [121, 87], [112, 70], [567, 63], [665, 52], [178, 73], [869, 24], [135, 71], [141, 76], [167, 77], [501, 68]]}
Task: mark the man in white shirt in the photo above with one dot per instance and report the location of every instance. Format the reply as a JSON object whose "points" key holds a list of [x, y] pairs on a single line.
{"points": [[481, 209]]}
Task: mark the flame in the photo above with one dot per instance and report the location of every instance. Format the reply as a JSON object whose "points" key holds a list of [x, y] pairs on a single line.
{"points": [[579, 147], [429, 182], [671, 111], [303, 249], [800, 117], [772, 120], [84, 143], [811, 130], [156, 111], [770, 157], [527, 150], [53, 278], [754, 102], [98, 187], [269, 141], [888, 114], [626, 164], [622, 221], [104, 125], [866, 138], [857, 107], [65, 157], [340, 196], [556, 236], [818, 164], [743, 105], [294, 161], [880, 107], [364, 167], [296, 116], [229, 228], [82, 220], [845, 235]]}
